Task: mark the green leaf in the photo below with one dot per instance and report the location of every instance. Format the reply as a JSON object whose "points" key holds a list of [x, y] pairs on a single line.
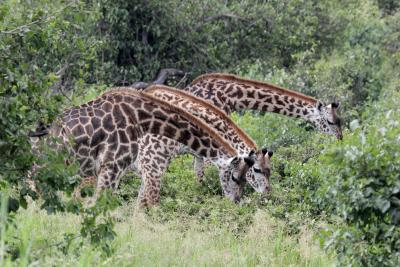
{"points": [[382, 204]]}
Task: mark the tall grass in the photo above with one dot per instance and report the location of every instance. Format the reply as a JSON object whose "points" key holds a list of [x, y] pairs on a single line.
{"points": [[143, 242]]}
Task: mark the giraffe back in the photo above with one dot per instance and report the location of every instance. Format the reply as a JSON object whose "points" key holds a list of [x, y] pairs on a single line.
{"points": [[256, 84], [208, 113]]}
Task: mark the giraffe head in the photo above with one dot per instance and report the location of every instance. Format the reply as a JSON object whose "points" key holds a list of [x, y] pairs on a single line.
{"points": [[233, 178], [327, 120], [259, 173]]}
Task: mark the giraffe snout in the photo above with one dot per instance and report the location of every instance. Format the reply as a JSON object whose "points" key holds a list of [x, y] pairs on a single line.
{"points": [[339, 135], [265, 189]]}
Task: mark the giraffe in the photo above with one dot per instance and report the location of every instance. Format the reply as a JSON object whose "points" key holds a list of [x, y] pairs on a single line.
{"points": [[107, 135], [258, 174], [233, 93]]}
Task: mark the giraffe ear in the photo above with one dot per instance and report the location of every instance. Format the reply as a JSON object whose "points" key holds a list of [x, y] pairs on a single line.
{"points": [[235, 160], [335, 105], [264, 151], [249, 161], [319, 105], [252, 153]]}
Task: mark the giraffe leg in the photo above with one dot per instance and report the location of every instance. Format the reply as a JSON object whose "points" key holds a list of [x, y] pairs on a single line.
{"points": [[108, 177], [152, 167], [151, 173], [199, 167], [149, 194]]}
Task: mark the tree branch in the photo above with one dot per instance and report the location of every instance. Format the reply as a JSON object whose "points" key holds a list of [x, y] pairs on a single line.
{"points": [[163, 74], [25, 26], [161, 78], [182, 81], [219, 17]]}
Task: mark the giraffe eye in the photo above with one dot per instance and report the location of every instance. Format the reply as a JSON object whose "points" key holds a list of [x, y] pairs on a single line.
{"points": [[330, 123], [256, 170]]}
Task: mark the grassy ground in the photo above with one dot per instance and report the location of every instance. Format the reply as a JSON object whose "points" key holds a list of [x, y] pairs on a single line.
{"points": [[143, 242]]}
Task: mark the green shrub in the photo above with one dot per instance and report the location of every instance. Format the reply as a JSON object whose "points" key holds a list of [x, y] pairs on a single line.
{"points": [[361, 185], [46, 51]]}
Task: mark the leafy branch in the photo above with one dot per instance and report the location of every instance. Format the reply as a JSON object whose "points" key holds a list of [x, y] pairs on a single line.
{"points": [[24, 28]]}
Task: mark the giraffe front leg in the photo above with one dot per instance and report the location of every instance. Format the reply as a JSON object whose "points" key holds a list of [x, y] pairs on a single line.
{"points": [[199, 167], [108, 177], [149, 194], [152, 168], [151, 174]]}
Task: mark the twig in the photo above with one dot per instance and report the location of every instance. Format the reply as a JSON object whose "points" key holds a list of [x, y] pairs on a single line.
{"points": [[140, 85], [183, 80], [52, 16], [220, 17], [162, 76]]}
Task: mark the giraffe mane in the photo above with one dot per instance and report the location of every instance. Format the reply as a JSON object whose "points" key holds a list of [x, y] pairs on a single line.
{"points": [[276, 88], [248, 141], [187, 115]]}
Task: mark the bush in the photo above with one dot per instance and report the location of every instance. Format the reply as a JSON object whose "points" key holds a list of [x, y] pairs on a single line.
{"points": [[46, 51], [361, 185]]}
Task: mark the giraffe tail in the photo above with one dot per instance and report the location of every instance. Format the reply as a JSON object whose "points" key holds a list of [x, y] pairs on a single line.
{"points": [[38, 133]]}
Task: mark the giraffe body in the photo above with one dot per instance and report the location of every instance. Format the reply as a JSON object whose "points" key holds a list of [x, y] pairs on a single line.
{"points": [[258, 174], [107, 136]]}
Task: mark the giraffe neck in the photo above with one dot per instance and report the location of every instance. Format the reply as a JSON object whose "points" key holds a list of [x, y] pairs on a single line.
{"points": [[232, 93], [155, 116], [208, 113]]}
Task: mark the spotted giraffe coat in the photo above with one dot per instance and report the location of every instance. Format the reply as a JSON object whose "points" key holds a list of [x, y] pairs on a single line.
{"points": [[258, 174], [106, 136]]}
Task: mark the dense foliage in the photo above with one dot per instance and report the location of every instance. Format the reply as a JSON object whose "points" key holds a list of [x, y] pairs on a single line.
{"points": [[363, 188], [55, 54]]}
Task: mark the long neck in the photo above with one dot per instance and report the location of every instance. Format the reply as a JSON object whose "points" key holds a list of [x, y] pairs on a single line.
{"points": [[207, 113], [232, 93]]}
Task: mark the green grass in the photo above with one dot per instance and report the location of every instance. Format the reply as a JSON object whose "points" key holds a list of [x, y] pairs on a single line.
{"points": [[141, 241]]}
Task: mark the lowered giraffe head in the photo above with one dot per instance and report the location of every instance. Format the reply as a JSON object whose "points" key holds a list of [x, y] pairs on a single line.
{"points": [[258, 178], [235, 180], [253, 168], [325, 118]]}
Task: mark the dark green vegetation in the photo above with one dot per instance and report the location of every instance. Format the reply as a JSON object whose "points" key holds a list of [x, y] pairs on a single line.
{"points": [[55, 54]]}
